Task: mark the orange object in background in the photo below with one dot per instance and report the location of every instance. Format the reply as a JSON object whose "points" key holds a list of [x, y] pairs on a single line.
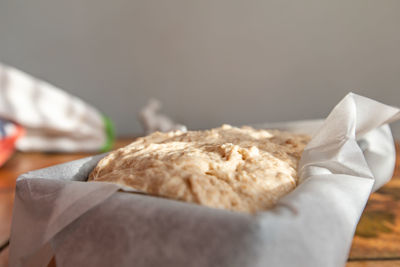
{"points": [[7, 141]]}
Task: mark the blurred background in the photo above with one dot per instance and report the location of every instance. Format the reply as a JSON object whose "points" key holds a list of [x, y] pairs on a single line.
{"points": [[209, 62]]}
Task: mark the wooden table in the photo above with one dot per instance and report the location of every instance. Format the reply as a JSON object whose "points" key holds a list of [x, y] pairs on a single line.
{"points": [[376, 243]]}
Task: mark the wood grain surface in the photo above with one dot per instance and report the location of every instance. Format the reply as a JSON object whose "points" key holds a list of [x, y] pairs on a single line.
{"points": [[376, 243], [378, 231]]}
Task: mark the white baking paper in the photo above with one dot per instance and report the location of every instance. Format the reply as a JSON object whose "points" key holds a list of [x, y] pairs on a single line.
{"points": [[152, 120], [93, 224]]}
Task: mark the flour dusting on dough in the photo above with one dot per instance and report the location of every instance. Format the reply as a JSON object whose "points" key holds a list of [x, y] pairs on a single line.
{"points": [[240, 169]]}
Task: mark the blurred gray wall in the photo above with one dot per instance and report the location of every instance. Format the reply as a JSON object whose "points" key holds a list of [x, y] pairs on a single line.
{"points": [[210, 61]]}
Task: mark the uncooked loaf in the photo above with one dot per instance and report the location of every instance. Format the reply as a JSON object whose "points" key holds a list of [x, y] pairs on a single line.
{"points": [[239, 169]]}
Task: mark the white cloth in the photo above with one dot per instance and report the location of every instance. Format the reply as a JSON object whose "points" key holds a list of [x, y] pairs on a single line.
{"points": [[54, 120]]}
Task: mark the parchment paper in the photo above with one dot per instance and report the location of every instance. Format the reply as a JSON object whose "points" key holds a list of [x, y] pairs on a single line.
{"points": [[93, 224]]}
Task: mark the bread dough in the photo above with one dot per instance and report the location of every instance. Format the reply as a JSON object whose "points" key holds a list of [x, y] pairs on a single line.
{"points": [[239, 169]]}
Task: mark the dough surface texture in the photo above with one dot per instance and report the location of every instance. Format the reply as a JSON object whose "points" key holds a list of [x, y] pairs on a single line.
{"points": [[239, 169]]}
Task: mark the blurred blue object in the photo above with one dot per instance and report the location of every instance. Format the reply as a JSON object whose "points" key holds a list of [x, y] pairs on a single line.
{"points": [[2, 129]]}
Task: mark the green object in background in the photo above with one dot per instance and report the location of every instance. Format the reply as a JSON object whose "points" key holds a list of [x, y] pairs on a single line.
{"points": [[110, 134]]}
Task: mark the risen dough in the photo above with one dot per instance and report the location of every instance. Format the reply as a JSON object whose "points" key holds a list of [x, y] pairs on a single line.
{"points": [[240, 169]]}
